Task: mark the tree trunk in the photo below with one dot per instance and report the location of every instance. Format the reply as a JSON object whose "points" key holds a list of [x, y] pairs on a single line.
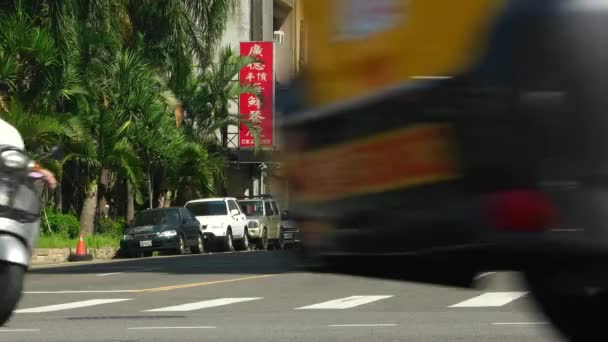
{"points": [[102, 193], [130, 203], [167, 203], [89, 206], [150, 191], [160, 201], [179, 115], [58, 198]]}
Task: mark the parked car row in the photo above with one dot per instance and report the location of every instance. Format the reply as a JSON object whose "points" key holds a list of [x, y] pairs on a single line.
{"points": [[211, 224]]}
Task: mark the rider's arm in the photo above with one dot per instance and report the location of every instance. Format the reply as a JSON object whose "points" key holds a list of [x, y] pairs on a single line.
{"points": [[9, 135]]}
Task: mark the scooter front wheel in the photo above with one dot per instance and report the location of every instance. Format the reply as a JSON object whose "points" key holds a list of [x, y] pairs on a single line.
{"points": [[11, 284]]}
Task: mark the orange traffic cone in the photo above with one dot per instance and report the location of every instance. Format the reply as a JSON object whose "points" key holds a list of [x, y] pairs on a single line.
{"points": [[81, 252], [80, 248]]}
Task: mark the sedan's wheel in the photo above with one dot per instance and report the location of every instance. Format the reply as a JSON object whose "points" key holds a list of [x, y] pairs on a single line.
{"points": [[263, 241], [574, 315], [229, 244], [181, 245], [200, 246], [11, 284]]}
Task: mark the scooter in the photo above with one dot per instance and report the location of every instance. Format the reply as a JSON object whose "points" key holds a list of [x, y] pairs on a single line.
{"points": [[20, 207]]}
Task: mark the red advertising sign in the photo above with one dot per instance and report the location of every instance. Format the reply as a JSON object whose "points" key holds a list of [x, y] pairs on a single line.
{"points": [[258, 111]]}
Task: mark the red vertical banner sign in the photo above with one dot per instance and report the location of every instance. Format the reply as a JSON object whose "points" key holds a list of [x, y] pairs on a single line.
{"points": [[259, 111]]}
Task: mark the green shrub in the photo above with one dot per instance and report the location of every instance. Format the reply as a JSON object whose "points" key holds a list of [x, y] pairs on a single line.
{"points": [[95, 241], [110, 227], [63, 225]]}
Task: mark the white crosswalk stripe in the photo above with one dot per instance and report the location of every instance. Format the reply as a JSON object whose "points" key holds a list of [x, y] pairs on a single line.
{"points": [[72, 305], [344, 303], [490, 299], [204, 304]]}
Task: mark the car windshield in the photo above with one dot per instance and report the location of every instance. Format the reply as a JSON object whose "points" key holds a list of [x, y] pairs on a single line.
{"points": [[252, 208], [156, 217], [209, 208]]}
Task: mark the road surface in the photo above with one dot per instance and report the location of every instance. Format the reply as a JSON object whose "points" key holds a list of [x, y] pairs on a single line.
{"points": [[261, 296]]}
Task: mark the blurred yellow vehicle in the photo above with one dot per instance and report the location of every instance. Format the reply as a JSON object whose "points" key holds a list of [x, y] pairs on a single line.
{"points": [[433, 140]]}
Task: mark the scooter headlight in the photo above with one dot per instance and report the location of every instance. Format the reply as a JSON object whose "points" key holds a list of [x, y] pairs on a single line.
{"points": [[14, 159]]}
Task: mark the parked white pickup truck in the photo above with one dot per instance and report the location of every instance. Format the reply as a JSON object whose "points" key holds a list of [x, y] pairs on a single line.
{"points": [[222, 221]]}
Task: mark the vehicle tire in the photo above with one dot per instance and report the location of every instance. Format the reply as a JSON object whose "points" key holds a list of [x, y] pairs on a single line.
{"points": [[263, 241], [576, 316], [147, 254], [181, 245], [200, 245], [280, 243], [229, 242], [11, 284], [244, 244]]}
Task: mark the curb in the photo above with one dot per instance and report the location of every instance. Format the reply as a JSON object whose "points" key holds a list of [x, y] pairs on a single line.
{"points": [[81, 257]]}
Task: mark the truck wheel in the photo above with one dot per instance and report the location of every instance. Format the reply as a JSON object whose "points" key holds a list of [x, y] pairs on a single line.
{"points": [[244, 244], [200, 245], [11, 284], [229, 242], [574, 315], [263, 241], [280, 244]]}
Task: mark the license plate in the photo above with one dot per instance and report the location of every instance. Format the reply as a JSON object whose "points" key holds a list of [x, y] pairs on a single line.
{"points": [[145, 243], [287, 235]]}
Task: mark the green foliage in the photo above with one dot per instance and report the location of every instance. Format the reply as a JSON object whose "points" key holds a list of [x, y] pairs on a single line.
{"points": [[60, 225], [103, 78], [109, 227], [95, 241]]}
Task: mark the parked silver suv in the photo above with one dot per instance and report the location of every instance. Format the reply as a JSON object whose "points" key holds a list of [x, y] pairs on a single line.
{"points": [[264, 221]]}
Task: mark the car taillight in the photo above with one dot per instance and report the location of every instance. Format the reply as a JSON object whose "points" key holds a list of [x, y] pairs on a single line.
{"points": [[521, 210]]}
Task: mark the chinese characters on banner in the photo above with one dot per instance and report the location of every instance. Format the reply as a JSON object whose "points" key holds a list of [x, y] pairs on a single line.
{"points": [[258, 110]]}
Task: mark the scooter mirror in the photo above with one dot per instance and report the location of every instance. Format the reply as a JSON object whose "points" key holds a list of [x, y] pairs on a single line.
{"points": [[56, 153]]}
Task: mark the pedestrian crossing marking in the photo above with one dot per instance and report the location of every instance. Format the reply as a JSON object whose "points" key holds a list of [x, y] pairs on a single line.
{"points": [[203, 305], [344, 303], [72, 305], [490, 299]]}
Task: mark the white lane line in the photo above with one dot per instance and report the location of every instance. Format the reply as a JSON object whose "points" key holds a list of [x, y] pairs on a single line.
{"points": [[19, 330], [344, 303], [73, 305], [107, 274], [490, 299], [520, 323], [169, 328], [361, 325], [135, 270], [78, 291], [203, 305]]}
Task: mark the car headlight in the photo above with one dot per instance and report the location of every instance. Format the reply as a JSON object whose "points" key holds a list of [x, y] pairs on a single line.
{"points": [[253, 224], [127, 237], [168, 233], [14, 159]]}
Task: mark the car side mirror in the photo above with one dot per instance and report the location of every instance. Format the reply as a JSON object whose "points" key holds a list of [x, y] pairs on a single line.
{"points": [[184, 221], [234, 212]]}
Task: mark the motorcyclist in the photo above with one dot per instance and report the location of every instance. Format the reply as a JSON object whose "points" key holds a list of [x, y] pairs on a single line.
{"points": [[10, 136]]}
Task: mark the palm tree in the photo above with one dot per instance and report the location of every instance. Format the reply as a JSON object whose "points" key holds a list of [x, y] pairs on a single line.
{"points": [[207, 98], [105, 79]]}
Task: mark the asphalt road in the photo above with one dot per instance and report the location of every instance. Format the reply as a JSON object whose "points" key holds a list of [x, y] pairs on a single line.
{"points": [[261, 296]]}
